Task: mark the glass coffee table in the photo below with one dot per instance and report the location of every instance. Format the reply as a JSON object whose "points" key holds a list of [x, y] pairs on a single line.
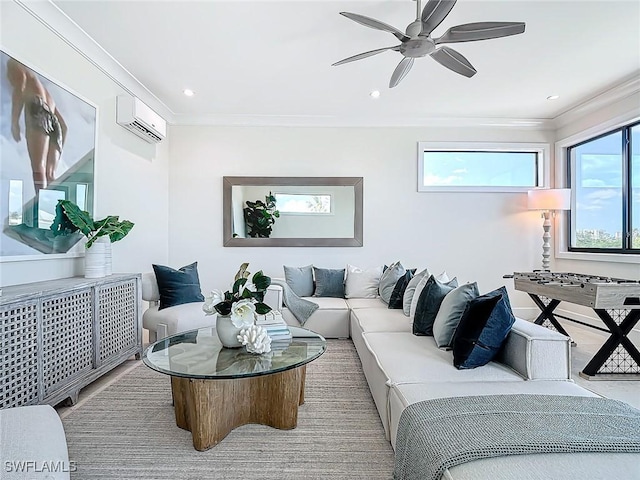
{"points": [[216, 389]]}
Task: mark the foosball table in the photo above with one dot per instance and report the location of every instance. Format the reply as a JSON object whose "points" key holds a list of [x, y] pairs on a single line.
{"points": [[615, 301]]}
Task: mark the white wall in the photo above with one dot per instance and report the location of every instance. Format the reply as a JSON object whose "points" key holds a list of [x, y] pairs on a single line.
{"points": [[131, 175], [474, 236]]}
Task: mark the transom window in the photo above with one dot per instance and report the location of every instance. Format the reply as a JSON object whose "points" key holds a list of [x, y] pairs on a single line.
{"points": [[304, 203], [481, 167], [604, 174]]}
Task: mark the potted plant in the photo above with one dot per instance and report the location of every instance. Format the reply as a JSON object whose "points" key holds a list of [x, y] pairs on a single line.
{"points": [[260, 216], [237, 308], [70, 218]]}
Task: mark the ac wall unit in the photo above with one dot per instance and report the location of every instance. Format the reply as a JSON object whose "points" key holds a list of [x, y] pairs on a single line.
{"points": [[137, 117]]}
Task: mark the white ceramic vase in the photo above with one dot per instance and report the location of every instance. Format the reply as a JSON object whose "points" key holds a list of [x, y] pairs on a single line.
{"points": [[95, 258], [227, 332], [107, 259]]}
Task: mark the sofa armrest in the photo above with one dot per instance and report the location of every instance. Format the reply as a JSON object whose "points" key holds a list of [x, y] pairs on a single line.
{"points": [[273, 297], [536, 352], [33, 444]]}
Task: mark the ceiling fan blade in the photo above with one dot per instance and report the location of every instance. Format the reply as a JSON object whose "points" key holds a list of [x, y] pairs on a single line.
{"points": [[377, 24], [470, 32], [453, 60], [364, 55], [433, 14], [401, 71]]}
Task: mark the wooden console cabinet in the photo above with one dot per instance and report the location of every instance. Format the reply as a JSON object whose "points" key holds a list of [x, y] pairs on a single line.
{"points": [[58, 336]]}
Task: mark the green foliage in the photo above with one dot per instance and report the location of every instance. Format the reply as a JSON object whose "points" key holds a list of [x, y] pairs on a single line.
{"points": [[70, 218], [260, 216], [241, 291], [604, 239]]}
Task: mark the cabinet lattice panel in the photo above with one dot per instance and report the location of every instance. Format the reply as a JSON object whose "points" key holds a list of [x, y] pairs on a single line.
{"points": [[18, 355], [117, 318], [66, 337]]}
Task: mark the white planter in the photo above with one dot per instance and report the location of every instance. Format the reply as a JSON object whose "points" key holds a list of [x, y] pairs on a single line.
{"points": [[227, 332], [107, 259], [95, 258]]}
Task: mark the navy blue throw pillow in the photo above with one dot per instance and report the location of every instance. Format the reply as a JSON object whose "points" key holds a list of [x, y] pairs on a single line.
{"points": [[395, 301], [483, 328], [178, 286], [329, 282], [429, 303]]}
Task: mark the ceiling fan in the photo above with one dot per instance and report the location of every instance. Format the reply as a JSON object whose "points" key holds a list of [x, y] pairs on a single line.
{"points": [[417, 42]]}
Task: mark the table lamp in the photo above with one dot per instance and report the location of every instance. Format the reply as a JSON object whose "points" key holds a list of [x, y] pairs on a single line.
{"points": [[548, 200]]}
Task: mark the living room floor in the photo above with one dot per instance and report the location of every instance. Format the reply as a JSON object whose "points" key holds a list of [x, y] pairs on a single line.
{"points": [[588, 341]]}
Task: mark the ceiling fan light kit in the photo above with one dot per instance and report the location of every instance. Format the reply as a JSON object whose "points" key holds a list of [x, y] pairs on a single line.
{"points": [[416, 41]]}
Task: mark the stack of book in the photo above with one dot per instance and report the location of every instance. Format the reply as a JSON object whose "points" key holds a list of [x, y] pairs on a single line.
{"points": [[275, 326]]}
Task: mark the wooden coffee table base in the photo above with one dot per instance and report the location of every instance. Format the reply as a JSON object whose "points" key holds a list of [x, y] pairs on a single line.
{"points": [[210, 409]]}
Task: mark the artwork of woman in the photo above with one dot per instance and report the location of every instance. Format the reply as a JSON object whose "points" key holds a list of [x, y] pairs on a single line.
{"points": [[45, 128]]}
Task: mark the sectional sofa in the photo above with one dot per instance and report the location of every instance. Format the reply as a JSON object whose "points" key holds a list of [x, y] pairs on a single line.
{"points": [[402, 369]]}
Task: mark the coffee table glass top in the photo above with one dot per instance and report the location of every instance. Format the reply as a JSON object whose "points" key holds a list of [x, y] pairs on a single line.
{"points": [[199, 354]]}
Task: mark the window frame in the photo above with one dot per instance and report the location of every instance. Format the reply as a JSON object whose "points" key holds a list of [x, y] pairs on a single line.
{"points": [[563, 226], [626, 203], [539, 148]]}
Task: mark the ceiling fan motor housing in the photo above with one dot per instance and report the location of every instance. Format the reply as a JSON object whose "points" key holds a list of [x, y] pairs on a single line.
{"points": [[417, 47]]}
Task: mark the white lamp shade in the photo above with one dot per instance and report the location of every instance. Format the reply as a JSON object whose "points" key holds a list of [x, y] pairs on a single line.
{"points": [[549, 199]]}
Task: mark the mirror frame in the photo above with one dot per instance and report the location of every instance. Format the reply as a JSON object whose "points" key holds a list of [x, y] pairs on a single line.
{"points": [[230, 241]]}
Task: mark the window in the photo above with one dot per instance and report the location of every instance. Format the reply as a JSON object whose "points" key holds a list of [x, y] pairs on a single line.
{"points": [[481, 167], [605, 181], [303, 203]]}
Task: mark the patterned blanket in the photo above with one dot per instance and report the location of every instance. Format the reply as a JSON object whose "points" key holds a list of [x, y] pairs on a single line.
{"points": [[434, 435]]}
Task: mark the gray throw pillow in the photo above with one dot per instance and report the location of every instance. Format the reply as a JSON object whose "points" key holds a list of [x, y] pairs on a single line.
{"points": [[429, 303], [450, 313], [388, 281], [329, 282], [411, 289], [300, 279]]}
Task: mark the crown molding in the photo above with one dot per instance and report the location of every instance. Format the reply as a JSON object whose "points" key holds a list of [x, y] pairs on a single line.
{"points": [[47, 13], [359, 121], [619, 92]]}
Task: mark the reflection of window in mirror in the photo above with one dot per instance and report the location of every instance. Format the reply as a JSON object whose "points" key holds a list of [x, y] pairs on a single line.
{"points": [[47, 201], [15, 202], [81, 195], [304, 204]]}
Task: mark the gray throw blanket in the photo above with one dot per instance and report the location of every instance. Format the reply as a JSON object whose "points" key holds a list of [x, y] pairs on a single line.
{"points": [[434, 435], [302, 309]]}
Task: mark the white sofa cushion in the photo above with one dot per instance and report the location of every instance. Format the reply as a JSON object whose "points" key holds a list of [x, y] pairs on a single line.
{"points": [[404, 357], [366, 303], [401, 395], [380, 320]]}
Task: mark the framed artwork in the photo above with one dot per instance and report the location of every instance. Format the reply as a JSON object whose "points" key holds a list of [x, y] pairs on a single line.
{"points": [[47, 153]]}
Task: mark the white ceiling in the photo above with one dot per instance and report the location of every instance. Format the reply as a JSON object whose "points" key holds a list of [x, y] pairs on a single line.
{"points": [[272, 59]]}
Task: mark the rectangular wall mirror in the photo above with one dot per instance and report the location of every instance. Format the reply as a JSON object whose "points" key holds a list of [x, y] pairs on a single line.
{"points": [[292, 211]]}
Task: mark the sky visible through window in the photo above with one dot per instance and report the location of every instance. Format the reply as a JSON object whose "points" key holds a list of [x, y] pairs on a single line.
{"points": [[480, 169], [598, 187]]}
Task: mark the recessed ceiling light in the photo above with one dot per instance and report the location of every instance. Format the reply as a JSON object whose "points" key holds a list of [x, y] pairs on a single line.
{"points": [[375, 94], [553, 97], [188, 92]]}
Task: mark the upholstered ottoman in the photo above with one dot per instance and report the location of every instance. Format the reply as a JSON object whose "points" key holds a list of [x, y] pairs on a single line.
{"points": [[33, 445]]}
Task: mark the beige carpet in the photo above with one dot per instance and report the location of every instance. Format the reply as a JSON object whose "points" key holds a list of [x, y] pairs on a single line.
{"points": [[128, 431]]}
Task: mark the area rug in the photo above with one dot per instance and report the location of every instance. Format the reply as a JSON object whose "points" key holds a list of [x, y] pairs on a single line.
{"points": [[128, 431]]}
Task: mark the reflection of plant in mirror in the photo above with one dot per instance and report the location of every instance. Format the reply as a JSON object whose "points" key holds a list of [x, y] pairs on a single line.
{"points": [[70, 218], [260, 216]]}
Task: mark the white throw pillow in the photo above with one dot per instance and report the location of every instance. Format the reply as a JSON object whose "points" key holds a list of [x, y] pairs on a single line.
{"points": [[442, 278], [362, 283]]}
